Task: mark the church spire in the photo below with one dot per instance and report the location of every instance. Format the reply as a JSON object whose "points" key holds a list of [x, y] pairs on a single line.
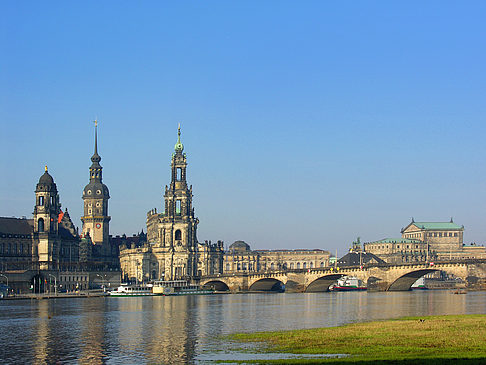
{"points": [[96, 158], [96, 137], [179, 147]]}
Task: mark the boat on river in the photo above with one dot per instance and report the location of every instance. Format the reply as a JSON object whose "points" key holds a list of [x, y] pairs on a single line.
{"points": [[126, 290], [178, 287], [347, 283], [419, 284]]}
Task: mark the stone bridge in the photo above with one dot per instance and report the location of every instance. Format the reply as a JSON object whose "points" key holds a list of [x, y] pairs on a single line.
{"points": [[385, 277]]}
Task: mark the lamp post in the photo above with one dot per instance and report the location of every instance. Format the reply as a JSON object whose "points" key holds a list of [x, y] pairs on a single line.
{"points": [[55, 284]]}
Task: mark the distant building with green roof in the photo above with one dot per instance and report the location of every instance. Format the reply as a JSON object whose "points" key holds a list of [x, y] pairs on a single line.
{"points": [[441, 237], [426, 241]]}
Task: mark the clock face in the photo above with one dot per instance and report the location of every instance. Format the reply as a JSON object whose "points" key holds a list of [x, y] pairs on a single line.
{"points": [[98, 225]]}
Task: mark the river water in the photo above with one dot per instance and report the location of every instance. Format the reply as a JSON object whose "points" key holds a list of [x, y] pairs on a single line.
{"points": [[191, 329]]}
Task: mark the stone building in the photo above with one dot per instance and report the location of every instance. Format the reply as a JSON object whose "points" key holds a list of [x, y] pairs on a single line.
{"points": [[47, 241], [172, 251], [34, 251], [426, 241], [240, 258]]}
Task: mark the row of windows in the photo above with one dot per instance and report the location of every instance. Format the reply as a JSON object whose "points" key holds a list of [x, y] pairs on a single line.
{"points": [[433, 234], [442, 234], [414, 235], [73, 278], [251, 266], [14, 249], [15, 235], [41, 200], [386, 246]]}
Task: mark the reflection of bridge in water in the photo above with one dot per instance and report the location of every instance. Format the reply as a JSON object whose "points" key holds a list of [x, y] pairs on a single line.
{"points": [[382, 277]]}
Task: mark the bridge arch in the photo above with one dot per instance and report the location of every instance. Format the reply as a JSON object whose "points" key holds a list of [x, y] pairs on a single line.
{"points": [[404, 282], [217, 285], [322, 284], [268, 284]]}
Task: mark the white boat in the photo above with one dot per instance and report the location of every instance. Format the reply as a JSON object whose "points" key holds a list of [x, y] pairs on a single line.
{"points": [[126, 290], [347, 283], [178, 287]]}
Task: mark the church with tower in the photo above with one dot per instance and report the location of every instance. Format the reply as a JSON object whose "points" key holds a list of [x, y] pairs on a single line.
{"points": [[172, 250], [96, 221], [49, 245]]}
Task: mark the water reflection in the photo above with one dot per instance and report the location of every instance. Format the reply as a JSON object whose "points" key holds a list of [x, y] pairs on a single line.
{"points": [[187, 329]]}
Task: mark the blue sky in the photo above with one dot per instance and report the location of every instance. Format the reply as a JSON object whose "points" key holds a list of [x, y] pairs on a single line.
{"points": [[305, 124]]}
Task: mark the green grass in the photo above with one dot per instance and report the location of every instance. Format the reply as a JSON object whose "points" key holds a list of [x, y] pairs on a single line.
{"points": [[434, 340]]}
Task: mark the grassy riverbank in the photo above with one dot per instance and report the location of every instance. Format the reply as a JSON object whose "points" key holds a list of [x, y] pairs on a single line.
{"points": [[412, 340]]}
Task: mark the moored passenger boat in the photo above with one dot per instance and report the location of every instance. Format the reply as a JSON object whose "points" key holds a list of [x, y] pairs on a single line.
{"points": [[178, 287], [126, 290]]}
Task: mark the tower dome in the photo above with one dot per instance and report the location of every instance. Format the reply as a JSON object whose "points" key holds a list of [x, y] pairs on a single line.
{"points": [[46, 179]]}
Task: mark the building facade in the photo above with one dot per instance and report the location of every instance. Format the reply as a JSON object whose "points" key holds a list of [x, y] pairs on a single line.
{"points": [[426, 241], [240, 258]]}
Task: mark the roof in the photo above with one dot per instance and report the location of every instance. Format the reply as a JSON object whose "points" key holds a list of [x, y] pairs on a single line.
{"points": [[16, 225], [46, 179], [396, 240], [239, 246], [437, 225], [65, 233], [354, 259]]}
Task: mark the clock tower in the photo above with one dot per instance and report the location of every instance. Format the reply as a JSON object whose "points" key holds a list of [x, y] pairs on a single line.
{"points": [[96, 221]]}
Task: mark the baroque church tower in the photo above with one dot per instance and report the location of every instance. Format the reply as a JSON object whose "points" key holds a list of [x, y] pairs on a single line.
{"points": [[96, 222], [46, 213], [175, 229]]}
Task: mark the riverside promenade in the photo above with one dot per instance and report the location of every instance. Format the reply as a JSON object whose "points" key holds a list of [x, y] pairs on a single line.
{"points": [[79, 294]]}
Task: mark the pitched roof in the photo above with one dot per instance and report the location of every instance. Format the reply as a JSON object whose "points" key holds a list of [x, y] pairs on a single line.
{"points": [[396, 240], [16, 225], [354, 259], [437, 225]]}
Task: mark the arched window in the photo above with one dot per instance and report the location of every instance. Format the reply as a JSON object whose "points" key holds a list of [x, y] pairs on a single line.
{"points": [[41, 200], [178, 235], [311, 265], [304, 265], [298, 265], [291, 266], [178, 207], [227, 267], [179, 174], [40, 225], [272, 266], [322, 264]]}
